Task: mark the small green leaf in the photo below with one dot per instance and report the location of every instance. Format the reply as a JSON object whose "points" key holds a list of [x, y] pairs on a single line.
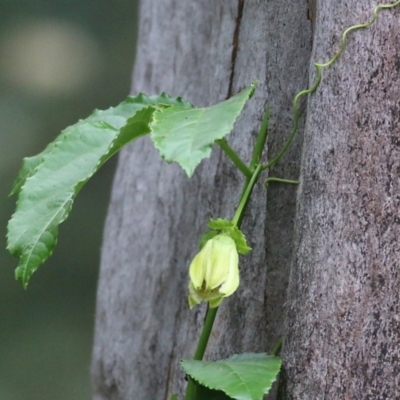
{"points": [[242, 377], [187, 135], [49, 182]]}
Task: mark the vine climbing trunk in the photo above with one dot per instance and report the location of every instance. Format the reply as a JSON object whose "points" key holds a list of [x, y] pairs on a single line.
{"points": [[205, 51], [343, 306]]}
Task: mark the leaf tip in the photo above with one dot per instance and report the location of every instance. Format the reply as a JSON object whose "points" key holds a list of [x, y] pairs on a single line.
{"points": [[23, 278], [253, 87]]}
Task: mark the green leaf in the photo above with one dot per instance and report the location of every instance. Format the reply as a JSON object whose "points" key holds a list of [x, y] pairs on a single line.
{"points": [[49, 182], [204, 393], [29, 166], [114, 116], [187, 135], [242, 377]]}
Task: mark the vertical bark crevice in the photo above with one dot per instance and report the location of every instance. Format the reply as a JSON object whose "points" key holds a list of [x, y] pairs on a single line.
{"points": [[312, 14], [235, 45], [290, 49]]}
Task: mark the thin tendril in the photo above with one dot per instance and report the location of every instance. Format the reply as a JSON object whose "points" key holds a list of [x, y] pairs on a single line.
{"points": [[318, 69]]}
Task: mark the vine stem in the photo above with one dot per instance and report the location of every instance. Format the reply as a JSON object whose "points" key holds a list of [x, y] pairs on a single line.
{"points": [[273, 179], [238, 217], [257, 151], [205, 334], [318, 69], [201, 348], [212, 312], [260, 142], [241, 166]]}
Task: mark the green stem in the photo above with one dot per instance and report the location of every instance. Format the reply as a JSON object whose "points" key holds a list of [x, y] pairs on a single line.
{"points": [[318, 69], [201, 348], [260, 142], [273, 179], [241, 166], [212, 312], [191, 389], [205, 333], [277, 348], [296, 119], [238, 217]]}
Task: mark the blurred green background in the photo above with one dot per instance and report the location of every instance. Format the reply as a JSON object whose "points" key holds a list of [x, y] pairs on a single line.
{"points": [[59, 59]]}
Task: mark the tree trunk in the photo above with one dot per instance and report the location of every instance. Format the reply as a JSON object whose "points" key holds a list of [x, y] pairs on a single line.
{"points": [[342, 307], [206, 51], [343, 320]]}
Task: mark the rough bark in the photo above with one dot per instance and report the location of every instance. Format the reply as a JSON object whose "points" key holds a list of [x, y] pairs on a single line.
{"points": [[206, 51], [343, 319]]}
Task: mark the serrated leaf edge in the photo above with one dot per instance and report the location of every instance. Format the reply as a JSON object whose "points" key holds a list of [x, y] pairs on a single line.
{"points": [[190, 170], [69, 200], [229, 359], [141, 98]]}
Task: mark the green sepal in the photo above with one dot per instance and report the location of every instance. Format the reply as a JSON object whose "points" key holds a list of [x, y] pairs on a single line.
{"points": [[240, 240], [225, 226], [221, 224], [206, 237]]}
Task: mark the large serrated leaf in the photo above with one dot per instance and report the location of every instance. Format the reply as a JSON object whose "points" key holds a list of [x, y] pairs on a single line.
{"points": [[49, 182], [187, 135], [114, 116], [29, 166], [242, 377]]}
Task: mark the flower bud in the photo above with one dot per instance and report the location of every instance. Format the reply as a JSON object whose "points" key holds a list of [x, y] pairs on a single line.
{"points": [[214, 271]]}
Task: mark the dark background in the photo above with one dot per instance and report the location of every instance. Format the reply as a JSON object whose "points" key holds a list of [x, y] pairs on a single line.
{"points": [[59, 59]]}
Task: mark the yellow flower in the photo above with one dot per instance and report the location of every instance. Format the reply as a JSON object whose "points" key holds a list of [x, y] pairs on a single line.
{"points": [[214, 271]]}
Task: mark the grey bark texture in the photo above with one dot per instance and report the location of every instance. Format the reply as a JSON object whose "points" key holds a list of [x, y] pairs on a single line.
{"points": [[341, 313], [343, 321]]}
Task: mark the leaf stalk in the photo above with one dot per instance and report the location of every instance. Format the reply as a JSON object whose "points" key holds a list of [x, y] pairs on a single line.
{"points": [[201, 348], [241, 166]]}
